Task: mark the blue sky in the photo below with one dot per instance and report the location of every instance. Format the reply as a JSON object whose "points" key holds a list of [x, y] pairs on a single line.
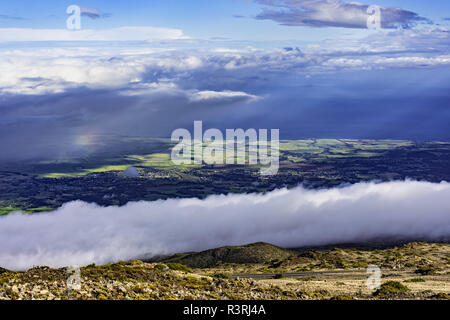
{"points": [[198, 19]]}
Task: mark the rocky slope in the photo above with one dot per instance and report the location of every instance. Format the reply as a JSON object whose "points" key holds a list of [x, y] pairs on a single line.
{"points": [[411, 271]]}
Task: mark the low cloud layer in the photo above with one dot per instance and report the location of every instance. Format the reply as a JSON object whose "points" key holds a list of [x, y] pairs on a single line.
{"points": [[333, 13], [81, 233], [127, 33]]}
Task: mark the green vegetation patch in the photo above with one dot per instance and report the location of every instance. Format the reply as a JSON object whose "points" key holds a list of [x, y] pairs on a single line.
{"points": [[122, 271], [4, 211], [342, 297], [222, 275], [414, 280], [252, 254], [179, 267], [426, 271], [84, 172], [7, 210], [391, 288], [441, 296]]}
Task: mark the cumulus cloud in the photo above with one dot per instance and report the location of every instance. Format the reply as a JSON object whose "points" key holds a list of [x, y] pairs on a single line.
{"points": [[56, 70], [333, 13], [80, 233], [139, 71]]}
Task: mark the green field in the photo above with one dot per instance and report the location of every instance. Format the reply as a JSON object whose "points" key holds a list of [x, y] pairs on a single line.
{"points": [[295, 150], [44, 185]]}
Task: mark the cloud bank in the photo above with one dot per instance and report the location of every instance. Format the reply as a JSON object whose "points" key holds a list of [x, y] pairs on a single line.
{"points": [[127, 33], [80, 233], [56, 70], [333, 13]]}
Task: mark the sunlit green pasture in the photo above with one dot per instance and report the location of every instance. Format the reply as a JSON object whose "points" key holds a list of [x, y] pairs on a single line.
{"points": [[8, 210], [297, 151]]}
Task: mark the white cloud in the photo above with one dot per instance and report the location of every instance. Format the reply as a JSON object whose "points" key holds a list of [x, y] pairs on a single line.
{"points": [[54, 71], [139, 70], [333, 13], [169, 88], [414, 60], [140, 89], [81, 233], [116, 34], [201, 96], [40, 75]]}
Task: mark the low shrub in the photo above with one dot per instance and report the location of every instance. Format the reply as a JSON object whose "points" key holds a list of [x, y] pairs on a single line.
{"points": [[425, 271], [391, 287], [223, 275], [414, 280], [179, 267], [441, 295], [341, 297]]}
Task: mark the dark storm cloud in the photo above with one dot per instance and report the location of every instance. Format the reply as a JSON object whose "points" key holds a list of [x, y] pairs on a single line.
{"points": [[48, 126], [94, 13], [333, 13], [401, 104], [390, 85]]}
